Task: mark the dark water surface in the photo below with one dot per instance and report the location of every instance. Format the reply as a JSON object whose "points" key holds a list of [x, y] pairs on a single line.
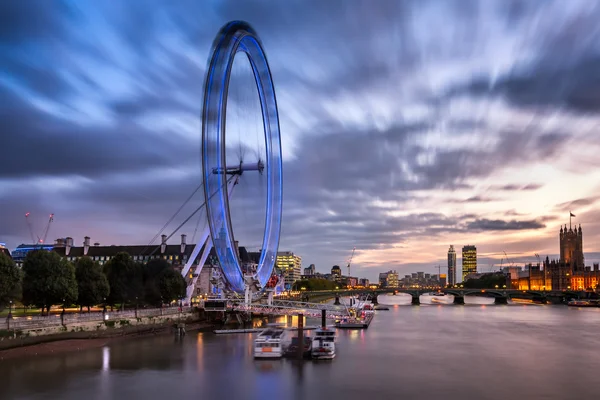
{"points": [[426, 352]]}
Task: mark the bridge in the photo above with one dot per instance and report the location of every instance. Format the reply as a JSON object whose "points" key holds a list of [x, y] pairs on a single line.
{"points": [[501, 296]]}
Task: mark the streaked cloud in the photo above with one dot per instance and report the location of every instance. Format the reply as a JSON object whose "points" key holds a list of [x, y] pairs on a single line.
{"points": [[398, 139]]}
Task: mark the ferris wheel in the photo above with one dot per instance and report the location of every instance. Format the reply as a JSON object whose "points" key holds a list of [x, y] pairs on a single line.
{"points": [[219, 178]]}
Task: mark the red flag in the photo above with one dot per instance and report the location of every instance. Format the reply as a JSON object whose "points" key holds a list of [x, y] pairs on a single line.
{"points": [[572, 215]]}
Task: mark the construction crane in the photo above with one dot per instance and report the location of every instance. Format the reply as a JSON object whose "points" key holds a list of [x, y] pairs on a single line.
{"points": [[33, 241], [40, 240], [47, 228], [350, 260], [507, 260]]}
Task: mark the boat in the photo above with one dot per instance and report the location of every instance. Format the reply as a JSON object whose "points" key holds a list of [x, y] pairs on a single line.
{"points": [[381, 308], [292, 348], [584, 303], [268, 344], [438, 294], [359, 317], [323, 344], [359, 322]]}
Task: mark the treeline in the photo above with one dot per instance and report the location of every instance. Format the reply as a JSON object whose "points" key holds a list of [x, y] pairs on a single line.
{"points": [[487, 281], [47, 279], [314, 284]]}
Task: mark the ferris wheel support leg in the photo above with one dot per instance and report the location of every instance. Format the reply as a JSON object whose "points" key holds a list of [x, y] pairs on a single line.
{"points": [[205, 253], [205, 240]]}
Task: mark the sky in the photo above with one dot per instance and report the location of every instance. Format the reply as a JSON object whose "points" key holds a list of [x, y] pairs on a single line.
{"points": [[406, 126]]}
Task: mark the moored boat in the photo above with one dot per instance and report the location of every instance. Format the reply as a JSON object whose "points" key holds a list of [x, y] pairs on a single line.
{"points": [[268, 344], [292, 348], [323, 344], [584, 303]]}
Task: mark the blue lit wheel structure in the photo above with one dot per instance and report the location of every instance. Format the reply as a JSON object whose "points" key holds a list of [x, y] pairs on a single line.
{"points": [[238, 37]]}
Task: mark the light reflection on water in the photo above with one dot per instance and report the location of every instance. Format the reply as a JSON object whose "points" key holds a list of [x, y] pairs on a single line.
{"points": [[455, 352]]}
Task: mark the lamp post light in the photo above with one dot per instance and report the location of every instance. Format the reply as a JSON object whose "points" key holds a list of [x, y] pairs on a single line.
{"points": [[136, 306], [9, 317], [62, 314]]}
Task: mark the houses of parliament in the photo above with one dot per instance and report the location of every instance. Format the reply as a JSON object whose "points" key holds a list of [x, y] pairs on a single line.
{"points": [[567, 273]]}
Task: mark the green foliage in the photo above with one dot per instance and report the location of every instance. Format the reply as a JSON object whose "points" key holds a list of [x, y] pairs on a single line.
{"points": [[171, 285], [152, 271], [10, 281], [315, 284], [48, 279], [124, 279], [92, 283], [487, 281]]}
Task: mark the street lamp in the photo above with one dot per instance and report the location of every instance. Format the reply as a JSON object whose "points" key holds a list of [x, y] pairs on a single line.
{"points": [[496, 286], [136, 306], [10, 309]]}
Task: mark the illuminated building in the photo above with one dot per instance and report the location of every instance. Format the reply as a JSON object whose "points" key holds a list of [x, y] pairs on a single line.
{"points": [[290, 265], [310, 270], [571, 248], [336, 272], [469, 261], [451, 266], [442, 279], [388, 279], [567, 273], [363, 282], [4, 250], [21, 251]]}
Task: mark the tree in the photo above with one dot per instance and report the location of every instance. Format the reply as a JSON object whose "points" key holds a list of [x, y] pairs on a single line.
{"points": [[91, 281], [10, 280], [48, 279], [152, 272], [171, 285], [314, 284], [487, 281], [124, 279]]}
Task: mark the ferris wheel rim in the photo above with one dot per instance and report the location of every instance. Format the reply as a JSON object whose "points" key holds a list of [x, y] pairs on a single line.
{"points": [[239, 37]]}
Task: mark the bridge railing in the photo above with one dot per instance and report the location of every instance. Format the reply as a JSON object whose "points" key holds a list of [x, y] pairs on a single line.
{"points": [[278, 310]]}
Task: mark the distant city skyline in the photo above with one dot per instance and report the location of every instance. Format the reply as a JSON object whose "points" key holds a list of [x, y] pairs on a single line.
{"points": [[398, 139]]}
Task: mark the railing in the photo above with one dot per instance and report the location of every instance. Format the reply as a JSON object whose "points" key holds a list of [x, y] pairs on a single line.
{"points": [[37, 322], [285, 307]]}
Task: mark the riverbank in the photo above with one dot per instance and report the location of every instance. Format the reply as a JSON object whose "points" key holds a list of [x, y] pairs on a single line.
{"points": [[77, 341]]}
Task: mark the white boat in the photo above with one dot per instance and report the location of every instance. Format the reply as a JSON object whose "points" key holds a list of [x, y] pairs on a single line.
{"points": [[268, 344], [323, 345]]}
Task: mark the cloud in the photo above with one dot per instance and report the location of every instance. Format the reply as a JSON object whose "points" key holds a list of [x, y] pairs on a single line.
{"points": [[474, 199], [383, 120], [500, 225], [579, 203], [514, 187]]}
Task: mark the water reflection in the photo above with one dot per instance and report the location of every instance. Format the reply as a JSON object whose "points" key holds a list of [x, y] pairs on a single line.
{"points": [[408, 352]]}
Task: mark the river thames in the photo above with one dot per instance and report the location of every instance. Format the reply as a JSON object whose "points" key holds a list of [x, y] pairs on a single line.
{"points": [[476, 351]]}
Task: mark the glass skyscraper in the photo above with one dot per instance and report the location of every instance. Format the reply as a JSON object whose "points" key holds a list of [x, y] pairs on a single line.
{"points": [[451, 266]]}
